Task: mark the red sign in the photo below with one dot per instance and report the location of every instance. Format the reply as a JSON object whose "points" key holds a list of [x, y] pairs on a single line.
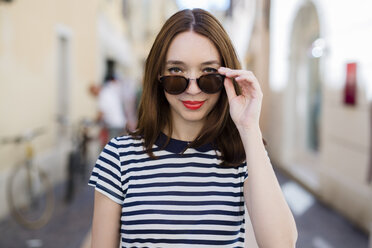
{"points": [[350, 90]]}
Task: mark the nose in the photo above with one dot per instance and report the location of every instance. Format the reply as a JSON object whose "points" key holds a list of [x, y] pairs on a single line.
{"points": [[193, 87]]}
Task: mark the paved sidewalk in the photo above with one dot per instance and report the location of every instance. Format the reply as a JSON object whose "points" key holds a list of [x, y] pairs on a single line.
{"points": [[319, 226], [69, 225]]}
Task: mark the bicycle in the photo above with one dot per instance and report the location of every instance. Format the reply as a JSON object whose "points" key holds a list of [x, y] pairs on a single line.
{"points": [[30, 194], [77, 166]]}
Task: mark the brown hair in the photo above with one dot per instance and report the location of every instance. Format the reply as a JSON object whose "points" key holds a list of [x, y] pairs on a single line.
{"points": [[154, 111]]}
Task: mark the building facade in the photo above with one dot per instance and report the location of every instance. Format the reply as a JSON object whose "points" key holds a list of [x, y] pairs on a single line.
{"points": [[320, 92]]}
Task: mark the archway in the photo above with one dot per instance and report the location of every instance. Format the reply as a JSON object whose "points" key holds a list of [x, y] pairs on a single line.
{"points": [[304, 90]]}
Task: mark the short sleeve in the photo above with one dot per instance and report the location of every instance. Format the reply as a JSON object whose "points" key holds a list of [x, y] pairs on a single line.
{"points": [[245, 170], [106, 175]]}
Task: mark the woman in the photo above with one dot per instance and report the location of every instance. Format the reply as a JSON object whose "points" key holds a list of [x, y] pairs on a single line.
{"points": [[181, 180]]}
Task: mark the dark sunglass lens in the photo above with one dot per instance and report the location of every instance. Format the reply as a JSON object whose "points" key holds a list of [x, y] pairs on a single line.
{"points": [[174, 84], [211, 83]]}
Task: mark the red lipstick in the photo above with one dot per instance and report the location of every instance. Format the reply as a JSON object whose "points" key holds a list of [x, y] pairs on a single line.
{"points": [[193, 105]]}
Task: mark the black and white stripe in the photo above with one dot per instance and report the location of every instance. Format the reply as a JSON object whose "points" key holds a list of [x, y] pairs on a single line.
{"points": [[176, 200]]}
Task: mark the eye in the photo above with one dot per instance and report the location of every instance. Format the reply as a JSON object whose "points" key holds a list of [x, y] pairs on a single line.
{"points": [[175, 70], [209, 70]]}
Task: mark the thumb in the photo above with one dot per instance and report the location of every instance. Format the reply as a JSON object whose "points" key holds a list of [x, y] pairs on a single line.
{"points": [[229, 87]]}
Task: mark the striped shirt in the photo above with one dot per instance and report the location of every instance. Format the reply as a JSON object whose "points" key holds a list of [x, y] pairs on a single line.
{"points": [[176, 200]]}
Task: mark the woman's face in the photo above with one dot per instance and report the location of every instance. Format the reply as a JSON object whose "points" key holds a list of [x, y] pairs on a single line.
{"points": [[191, 55]]}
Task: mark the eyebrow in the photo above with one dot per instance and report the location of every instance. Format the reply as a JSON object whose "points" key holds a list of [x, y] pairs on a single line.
{"points": [[178, 62], [211, 62], [174, 62]]}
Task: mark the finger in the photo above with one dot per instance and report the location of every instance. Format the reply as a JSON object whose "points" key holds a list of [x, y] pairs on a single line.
{"points": [[248, 80], [245, 79], [226, 71], [232, 73], [249, 88], [248, 75], [229, 87]]}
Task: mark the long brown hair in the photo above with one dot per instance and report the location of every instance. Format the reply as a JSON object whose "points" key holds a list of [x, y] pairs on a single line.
{"points": [[154, 111]]}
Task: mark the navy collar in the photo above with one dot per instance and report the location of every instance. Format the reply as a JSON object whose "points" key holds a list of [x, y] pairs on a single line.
{"points": [[178, 146]]}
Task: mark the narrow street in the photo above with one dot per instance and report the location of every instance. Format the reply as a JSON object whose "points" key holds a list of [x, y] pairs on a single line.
{"points": [[88, 70], [319, 226]]}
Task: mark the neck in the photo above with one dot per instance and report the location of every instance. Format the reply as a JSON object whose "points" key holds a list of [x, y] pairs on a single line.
{"points": [[185, 131]]}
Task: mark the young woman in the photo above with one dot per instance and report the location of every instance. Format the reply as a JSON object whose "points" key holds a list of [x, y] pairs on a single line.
{"points": [[181, 180]]}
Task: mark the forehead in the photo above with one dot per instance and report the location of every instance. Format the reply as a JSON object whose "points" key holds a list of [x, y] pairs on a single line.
{"points": [[192, 48]]}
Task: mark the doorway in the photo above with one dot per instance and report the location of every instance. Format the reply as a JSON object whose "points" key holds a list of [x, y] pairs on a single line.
{"points": [[305, 94], [63, 79]]}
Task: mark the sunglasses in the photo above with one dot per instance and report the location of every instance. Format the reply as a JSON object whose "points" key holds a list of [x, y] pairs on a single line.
{"points": [[208, 83]]}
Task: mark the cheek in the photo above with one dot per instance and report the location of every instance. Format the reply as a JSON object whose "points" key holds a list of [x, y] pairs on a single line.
{"points": [[171, 99], [214, 99]]}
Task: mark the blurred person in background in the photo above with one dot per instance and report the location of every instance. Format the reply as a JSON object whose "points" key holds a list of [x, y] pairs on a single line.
{"points": [[116, 103], [369, 177], [94, 89], [197, 158], [103, 136], [111, 110], [129, 96]]}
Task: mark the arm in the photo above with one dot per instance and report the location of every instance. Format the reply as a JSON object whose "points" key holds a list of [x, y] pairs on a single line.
{"points": [[106, 222], [272, 220]]}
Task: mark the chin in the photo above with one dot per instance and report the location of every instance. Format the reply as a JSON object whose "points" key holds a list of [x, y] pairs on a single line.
{"points": [[194, 117]]}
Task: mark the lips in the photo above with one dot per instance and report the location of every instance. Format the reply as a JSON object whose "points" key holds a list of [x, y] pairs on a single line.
{"points": [[193, 105]]}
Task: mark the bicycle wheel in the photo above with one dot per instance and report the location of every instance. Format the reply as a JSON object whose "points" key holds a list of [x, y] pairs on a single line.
{"points": [[30, 196], [74, 161]]}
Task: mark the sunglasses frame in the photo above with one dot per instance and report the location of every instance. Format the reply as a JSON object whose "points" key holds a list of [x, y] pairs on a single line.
{"points": [[197, 81]]}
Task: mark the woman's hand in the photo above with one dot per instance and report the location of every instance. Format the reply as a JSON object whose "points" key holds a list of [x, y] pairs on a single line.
{"points": [[245, 109]]}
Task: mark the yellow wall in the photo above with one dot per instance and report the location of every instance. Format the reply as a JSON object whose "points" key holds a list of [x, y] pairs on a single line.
{"points": [[28, 66], [29, 78]]}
